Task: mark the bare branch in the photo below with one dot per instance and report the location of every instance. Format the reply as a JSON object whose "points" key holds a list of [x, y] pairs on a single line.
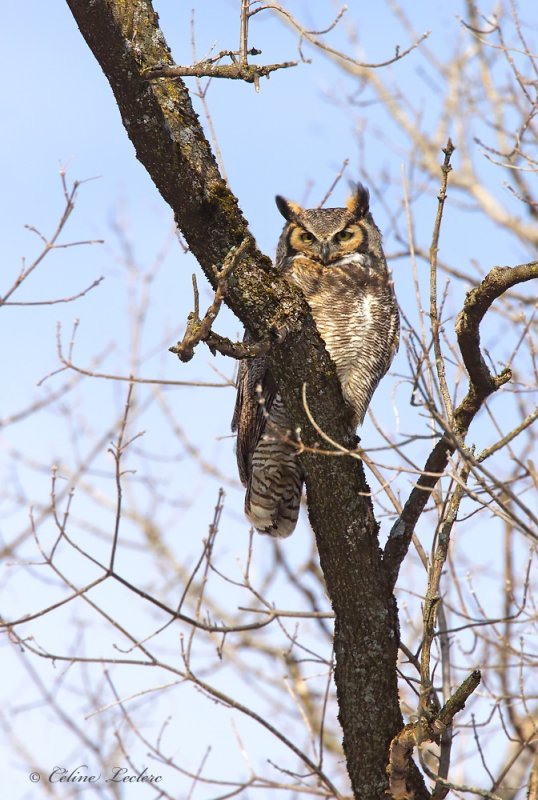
{"points": [[481, 385], [200, 330], [312, 38], [250, 73], [415, 733], [439, 362], [70, 194], [477, 303]]}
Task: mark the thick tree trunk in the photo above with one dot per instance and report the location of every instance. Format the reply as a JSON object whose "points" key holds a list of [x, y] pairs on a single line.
{"points": [[169, 141]]}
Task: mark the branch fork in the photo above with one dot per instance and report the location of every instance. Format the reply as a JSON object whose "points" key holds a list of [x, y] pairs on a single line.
{"points": [[199, 330], [424, 730]]}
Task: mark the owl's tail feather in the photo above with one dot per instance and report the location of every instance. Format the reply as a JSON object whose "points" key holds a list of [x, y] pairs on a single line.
{"points": [[275, 487]]}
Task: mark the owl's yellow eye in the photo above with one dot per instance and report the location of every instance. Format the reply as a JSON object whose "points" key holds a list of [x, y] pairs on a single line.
{"points": [[307, 238], [343, 236]]}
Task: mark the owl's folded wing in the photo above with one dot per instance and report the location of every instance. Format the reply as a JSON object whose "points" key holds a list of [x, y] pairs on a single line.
{"points": [[256, 390]]}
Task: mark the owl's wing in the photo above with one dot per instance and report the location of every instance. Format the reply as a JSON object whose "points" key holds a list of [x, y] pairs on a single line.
{"points": [[256, 390]]}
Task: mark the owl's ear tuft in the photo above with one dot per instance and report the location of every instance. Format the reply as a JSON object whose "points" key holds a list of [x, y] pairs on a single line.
{"points": [[359, 202], [287, 208]]}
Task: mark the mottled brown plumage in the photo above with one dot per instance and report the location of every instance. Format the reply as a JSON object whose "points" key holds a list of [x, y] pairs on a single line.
{"points": [[335, 257]]}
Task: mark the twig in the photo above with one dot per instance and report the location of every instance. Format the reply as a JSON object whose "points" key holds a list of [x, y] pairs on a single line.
{"points": [[229, 702], [250, 73], [202, 95], [243, 38], [330, 190], [439, 362], [60, 299], [481, 384], [432, 606], [70, 195], [532, 791], [199, 330], [68, 363], [402, 746], [117, 449], [310, 36]]}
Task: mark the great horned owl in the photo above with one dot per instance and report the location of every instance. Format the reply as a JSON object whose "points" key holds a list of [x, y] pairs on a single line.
{"points": [[335, 257]]}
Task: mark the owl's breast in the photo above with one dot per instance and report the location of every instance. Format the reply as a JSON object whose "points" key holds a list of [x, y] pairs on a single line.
{"points": [[347, 304], [355, 311], [349, 290]]}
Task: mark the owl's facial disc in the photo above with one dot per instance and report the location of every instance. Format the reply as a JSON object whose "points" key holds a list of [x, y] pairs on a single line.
{"points": [[327, 247], [345, 242], [304, 241]]}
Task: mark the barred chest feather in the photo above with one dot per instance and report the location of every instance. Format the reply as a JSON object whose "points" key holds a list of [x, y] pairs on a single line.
{"points": [[355, 311]]}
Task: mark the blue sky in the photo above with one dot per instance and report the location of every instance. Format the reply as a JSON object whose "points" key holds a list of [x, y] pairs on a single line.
{"points": [[291, 138]]}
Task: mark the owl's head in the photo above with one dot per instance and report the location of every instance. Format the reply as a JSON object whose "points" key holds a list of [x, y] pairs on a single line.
{"points": [[327, 235]]}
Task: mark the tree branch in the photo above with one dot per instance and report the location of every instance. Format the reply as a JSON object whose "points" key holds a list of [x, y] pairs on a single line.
{"points": [[250, 73], [199, 330], [169, 141], [434, 316], [481, 385], [402, 746]]}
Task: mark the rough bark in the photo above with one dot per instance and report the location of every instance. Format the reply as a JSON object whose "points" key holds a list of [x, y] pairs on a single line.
{"points": [[125, 38]]}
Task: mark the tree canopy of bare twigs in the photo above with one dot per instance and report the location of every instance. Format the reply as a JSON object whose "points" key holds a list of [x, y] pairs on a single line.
{"points": [[387, 650]]}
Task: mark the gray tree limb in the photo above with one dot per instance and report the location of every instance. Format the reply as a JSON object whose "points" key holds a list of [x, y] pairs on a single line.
{"points": [[158, 116]]}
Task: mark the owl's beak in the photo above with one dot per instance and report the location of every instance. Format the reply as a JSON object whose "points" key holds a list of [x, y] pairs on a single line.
{"points": [[324, 252]]}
